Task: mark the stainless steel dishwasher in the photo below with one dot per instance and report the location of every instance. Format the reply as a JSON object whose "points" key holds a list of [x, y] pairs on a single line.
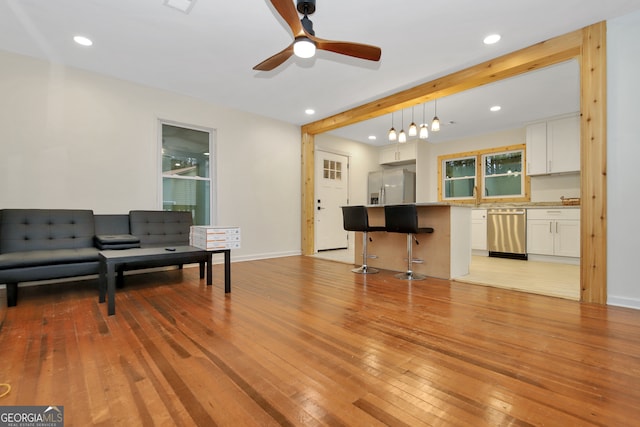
{"points": [[507, 233]]}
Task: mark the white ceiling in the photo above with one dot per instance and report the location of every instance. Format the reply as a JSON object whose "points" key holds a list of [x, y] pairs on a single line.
{"points": [[209, 53]]}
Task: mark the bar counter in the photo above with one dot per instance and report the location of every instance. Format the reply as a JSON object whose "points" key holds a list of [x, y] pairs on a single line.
{"points": [[446, 252]]}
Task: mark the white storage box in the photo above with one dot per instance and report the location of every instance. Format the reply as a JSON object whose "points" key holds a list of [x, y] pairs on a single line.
{"points": [[215, 237]]}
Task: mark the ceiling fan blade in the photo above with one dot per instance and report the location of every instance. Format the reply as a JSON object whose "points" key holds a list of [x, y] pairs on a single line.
{"points": [[277, 59], [358, 50], [288, 11]]}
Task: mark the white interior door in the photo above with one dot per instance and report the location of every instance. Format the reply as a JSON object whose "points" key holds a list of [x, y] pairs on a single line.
{"points": [[332, 192]]}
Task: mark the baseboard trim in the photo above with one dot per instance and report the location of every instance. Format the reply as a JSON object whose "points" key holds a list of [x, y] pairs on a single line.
{"points": [[624, 302], [268, 255]]}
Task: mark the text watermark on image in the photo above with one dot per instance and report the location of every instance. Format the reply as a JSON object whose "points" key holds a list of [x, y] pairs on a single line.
{"points": [[31, 416]]}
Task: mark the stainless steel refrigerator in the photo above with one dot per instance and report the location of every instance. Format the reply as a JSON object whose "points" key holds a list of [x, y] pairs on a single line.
{"points": [[391, 186]]}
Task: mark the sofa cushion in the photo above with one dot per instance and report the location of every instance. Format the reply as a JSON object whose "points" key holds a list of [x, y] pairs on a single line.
{"points": [[47, 257], [161, 228], [117, 241], [111, 224], [45, 229]]}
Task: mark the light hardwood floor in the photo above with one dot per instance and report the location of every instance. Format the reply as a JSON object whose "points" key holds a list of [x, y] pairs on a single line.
{"points": [[303, 341], [542, 278]]}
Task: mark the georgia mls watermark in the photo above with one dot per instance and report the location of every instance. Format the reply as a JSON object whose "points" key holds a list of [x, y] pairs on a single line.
{"points": [[31, 416]]}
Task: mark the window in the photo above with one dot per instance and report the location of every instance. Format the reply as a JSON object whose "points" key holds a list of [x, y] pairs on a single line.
{"points": [[503, 174], [332, 170], [460, 178], [186, 171], [483, 176]]}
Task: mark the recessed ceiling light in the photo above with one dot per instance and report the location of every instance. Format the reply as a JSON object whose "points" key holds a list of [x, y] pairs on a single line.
{"points": [[82, 40], [372, 137], [310, 111], [495, 108], [491, 39]]}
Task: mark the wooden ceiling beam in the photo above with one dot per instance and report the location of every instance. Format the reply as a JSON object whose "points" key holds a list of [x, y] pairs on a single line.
{"points": [[535, 57]]}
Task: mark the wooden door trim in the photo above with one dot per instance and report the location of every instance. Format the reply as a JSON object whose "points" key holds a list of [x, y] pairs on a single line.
{"points": [[588, 46]]}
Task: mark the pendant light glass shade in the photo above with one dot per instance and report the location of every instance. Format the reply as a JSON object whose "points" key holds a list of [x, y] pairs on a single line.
{"points": [[435, 123], [413, 129], [402, 137], [424, 130], [392, 132]]}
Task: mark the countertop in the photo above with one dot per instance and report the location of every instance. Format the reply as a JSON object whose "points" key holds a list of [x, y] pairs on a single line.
{"points": [[424, 204], [531, 205], [527, 205]]}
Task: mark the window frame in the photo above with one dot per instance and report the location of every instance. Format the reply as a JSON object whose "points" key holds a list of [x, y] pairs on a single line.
{"points": [[445, 179], [484, 176], [480, 176], [212, 166]]}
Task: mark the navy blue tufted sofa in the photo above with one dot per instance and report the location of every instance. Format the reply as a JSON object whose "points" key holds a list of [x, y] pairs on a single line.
{"points": [[43, 244]]}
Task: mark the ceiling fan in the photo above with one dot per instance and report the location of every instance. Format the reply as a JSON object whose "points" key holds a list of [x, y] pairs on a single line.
{"points": [[305, 42]]}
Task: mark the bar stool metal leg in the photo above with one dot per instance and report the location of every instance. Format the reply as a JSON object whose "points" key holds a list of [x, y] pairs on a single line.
{"points": [[409, 274], [365, 269]]}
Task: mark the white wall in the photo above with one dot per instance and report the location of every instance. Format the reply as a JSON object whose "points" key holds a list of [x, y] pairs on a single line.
{"points": [[623, 154], [74, 139]]}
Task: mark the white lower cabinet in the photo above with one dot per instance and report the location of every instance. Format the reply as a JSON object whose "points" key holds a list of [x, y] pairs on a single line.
{"points": [[554, 232], [479, 229]]}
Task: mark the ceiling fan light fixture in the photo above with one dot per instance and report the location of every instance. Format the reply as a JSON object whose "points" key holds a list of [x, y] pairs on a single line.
{"points": [[305, 43], [304, 47]]}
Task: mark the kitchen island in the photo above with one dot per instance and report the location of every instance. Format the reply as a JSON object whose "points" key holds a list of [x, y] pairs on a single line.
{"points": [[446, 252]]}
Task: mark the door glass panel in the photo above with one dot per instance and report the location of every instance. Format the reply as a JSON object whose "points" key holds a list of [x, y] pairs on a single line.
{"points": [[332, 170]]}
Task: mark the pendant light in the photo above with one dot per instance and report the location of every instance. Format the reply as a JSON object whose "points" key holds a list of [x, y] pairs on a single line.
{"points": [[413, 129], [424, 130], [435, 124], [402, 136], [392, 132]]}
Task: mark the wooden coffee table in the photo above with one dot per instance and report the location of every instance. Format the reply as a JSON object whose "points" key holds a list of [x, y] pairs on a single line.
{"points": [[112, 261]]}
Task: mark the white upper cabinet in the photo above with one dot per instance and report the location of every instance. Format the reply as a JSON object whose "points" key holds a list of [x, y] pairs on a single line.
{"points": [[398, 154], [553, 146]]}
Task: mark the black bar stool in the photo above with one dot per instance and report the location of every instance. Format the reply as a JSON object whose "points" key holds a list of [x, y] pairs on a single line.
{"points": [[404, 219], [356, 218]]}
